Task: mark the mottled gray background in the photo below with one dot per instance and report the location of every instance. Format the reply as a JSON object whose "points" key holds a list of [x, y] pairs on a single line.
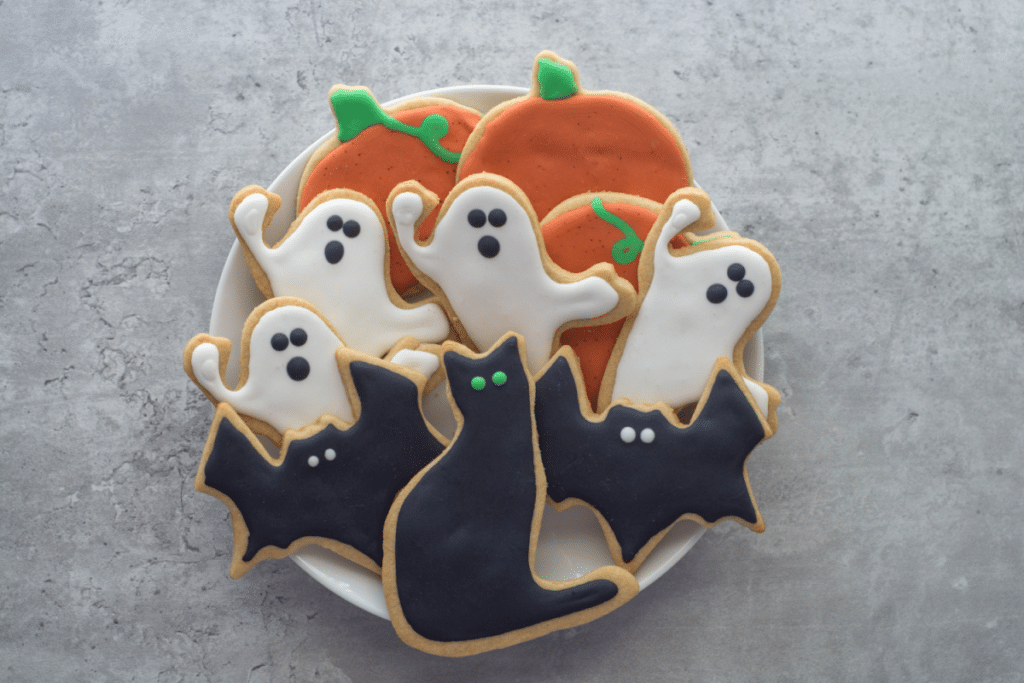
{"points": [[874, 146]]}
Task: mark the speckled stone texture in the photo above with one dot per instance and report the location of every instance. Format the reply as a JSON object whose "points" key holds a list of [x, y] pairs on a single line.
{"points": [[874, 146]]}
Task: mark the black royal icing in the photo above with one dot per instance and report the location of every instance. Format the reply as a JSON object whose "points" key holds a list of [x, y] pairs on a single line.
{"points": [[463, 532]]}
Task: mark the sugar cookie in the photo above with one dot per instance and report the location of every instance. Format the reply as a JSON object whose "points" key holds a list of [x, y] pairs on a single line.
{"points": [[334, 256], [289, 376], [333, 483], [560, 140], [638, 467], [486, 262], [460, 540]]}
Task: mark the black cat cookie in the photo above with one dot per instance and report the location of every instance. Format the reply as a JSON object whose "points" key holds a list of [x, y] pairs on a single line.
{"points": [[461, 538]]}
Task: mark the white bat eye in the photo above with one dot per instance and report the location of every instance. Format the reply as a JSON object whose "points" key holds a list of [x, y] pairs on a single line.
{"points": [[628, 435], [647, 435]]}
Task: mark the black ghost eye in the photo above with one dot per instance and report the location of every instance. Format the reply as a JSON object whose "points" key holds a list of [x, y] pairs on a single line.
{"points": [[477, 218], [351, 229], [334, 223], [488, 246], [298, 336], [745, 288], [736, 272], [298, 368], [334, 251], [279, 342], [717, 293], [497, 218]]}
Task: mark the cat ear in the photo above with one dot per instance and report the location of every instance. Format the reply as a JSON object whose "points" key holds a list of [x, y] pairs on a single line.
{"points": [[508, 351], [456, 366]]}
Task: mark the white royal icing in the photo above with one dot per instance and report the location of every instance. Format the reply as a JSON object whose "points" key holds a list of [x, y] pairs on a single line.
{"points": [[509, 291], [421, 361], [351, 293], [679, 333], [270, 394]]}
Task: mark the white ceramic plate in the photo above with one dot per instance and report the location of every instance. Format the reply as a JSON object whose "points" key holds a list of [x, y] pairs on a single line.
{"points": [[571, 542]]}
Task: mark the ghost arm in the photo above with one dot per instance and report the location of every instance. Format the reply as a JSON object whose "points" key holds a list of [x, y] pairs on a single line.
{"points": [[410, 202], [584, 299], [248, 217], [206, 362], [684, 214]]}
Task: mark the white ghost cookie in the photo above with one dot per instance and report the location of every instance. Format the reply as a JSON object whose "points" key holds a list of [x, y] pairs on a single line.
{"points": [[697, 303], [486, 262], [335, 256], [289, 376]]}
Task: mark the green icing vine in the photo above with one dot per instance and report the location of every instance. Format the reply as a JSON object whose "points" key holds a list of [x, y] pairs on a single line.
{"points": [[556, 80], [628, 248], [356, 110]]}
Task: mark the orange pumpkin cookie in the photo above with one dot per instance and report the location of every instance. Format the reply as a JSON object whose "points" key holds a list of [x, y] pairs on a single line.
{"points": [[598, 228], [560, 140], [376, 149]]}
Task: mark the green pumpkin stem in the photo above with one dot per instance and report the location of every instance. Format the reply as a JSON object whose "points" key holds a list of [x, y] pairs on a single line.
{"points": [[556, 80]]}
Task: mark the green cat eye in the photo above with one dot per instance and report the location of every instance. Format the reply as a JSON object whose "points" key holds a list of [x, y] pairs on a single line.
{"points": [[499, 378], [478, 383]]}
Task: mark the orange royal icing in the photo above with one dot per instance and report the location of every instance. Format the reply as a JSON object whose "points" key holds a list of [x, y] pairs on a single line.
{"points": [[590, 142]]}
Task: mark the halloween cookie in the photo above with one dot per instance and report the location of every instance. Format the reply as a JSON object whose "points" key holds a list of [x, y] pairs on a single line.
{"points": [[334, 256], [697, 304], [375, 149], [460, 540], [289, 376], [560, 141], [487, 263], [638, 467], [334, 482]]}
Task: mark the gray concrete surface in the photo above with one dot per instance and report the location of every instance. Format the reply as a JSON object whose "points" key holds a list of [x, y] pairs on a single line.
{"points": [[874, 146]]}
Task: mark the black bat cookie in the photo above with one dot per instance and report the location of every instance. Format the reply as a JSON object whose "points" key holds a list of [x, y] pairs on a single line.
{"points": [[334, 485], [640, 469], [461, 538]]}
